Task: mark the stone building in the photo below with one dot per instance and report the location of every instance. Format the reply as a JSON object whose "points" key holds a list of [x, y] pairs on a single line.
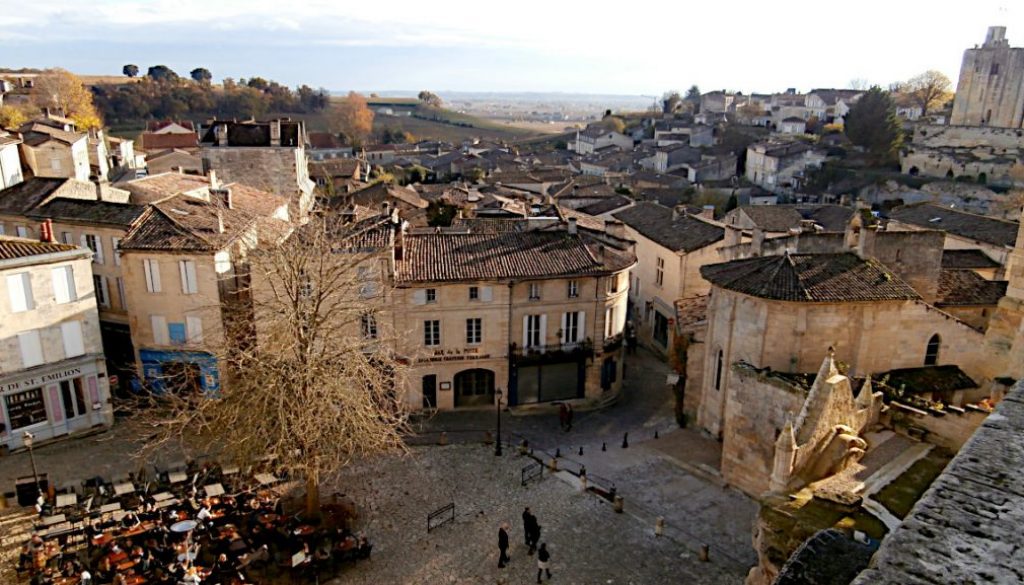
{"points": [[964, 231], [990, 91], [10, 161], [182, 263], [780, 165], [49, 150], [269, 156], [53, 379]]}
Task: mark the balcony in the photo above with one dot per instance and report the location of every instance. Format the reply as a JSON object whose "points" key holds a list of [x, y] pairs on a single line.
{"points": [[551, 354]]}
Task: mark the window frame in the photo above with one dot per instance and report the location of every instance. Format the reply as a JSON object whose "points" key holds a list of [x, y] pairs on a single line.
{"points": [[573, 289], [432, 333], [474, 331]]}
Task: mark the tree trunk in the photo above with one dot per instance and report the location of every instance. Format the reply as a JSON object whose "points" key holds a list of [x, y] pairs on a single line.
{"points": [[312, 495]]}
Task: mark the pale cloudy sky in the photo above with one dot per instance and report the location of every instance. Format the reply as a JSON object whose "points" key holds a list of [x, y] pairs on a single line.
{"points": [[594, 46]]}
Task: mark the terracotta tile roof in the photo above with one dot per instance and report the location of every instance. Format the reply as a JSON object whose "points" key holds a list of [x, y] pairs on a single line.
{"points": [[782, 218], [490, 225], [21, 198], [35, 133], [967, 288], [966, 260], [609, 204], [683, 234], [11, 248], [156, 187], [993, 231], [334, 168], [825, 278], [85, 211], [155, 125], [323, 140], [154, 141], [440, 257]]}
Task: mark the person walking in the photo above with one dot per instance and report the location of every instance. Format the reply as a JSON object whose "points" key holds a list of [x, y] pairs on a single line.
{"points": [[529, 522], [543, 557], [563, 415], [503, 545], [568, 417]]}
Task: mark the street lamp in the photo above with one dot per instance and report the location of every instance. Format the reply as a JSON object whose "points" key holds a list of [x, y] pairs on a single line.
{"points": [[26, 440], [497, 404]]}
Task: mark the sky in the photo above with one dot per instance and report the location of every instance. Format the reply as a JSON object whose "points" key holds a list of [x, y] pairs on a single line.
{"points": [[641, 47]]}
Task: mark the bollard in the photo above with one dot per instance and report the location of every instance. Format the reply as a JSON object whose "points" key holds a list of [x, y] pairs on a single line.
{"points": [[604, 446], [659, 526], [488, 439], [581, 451], [704, 553], [625, 440], [618, 505], [558, 452], [443, 439], [553, 464], [522, 447], [655, 434], [583, 482], [583, 469]]}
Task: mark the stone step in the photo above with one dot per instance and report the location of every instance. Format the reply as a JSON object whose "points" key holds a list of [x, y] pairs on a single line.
{"points": [[895, 468]]}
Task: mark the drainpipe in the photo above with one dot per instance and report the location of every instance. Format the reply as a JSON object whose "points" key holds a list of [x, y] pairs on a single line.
{"points": [[508, 345]]}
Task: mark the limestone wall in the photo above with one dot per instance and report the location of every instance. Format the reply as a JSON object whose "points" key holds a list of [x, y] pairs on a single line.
{"points": [[937, 136]]}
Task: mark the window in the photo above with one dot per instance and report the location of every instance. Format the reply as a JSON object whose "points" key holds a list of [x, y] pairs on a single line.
{"points": [[660, 329], [369, 326], [96, 245], [431, 295], [995, 69], [474, 331], [22, 231], [931, 353], [659, 273], [115, 245], [63, 279], [71, 334], [159, 325], [187, 270], [72, 397], [574, 289], [194, 328], [534, 291], [177, 333], [432, 333], [31, 348], [613, 284], [55, 165], [474, 293], [719, 361], [26, 408], [534, 331], [609, 322], [120, 293], [572, 326], [152, 271], [19, 290], [102, 292], [67, 238]]}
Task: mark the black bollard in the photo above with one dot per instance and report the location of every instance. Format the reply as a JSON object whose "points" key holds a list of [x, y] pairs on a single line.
{"points": [[583, 470], [655, 434], [625, 440], [581, 451], [558, 453], [604, 446]]}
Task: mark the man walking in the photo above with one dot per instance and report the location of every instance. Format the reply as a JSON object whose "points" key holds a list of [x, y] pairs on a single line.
{"points": [[528, 522], [542, 561], [502, 545]]}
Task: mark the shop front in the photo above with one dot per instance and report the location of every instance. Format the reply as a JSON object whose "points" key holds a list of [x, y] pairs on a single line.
{"points": [[54, 400], [179, 371], [448, 379]]}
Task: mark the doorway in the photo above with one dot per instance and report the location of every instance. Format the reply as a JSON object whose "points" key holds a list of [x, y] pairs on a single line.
{"points": [[430, 391], [474, 387]]}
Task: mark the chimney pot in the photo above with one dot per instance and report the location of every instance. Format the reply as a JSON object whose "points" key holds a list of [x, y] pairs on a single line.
{"points": [[46, 231], [572, 226]]}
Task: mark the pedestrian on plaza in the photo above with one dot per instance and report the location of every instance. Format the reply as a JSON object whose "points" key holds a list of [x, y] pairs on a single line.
{"points": [[568, 417], [630, 338], [563, 415], [503, 545], [534, 535], [528, 521], [543, 556]]}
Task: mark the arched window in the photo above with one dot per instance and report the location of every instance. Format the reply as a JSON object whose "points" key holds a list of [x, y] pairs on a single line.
{"points": [[931, 353], [719, 360]]}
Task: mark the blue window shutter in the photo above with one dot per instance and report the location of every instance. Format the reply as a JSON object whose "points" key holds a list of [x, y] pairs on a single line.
{"points": [[176, 331]]}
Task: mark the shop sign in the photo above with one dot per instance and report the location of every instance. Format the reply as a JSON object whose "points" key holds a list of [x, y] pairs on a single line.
{"points": [[457, 354], [41, 380]]}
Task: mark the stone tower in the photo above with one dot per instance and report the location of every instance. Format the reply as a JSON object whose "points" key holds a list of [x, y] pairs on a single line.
{"points": [[1005, 334], [990, 91]]}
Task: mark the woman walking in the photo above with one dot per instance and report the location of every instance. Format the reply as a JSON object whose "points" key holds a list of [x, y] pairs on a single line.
{"points": [[543, 556]]}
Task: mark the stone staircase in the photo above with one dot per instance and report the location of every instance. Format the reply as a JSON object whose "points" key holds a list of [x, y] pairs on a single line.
{"points": [[15, 530]]}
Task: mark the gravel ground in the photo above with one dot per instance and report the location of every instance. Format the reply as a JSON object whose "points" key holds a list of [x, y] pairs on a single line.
{"points": [[589, 543]]}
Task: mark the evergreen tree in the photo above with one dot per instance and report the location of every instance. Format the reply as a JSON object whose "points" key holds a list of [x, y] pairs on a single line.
{"points": [[872, 124]]}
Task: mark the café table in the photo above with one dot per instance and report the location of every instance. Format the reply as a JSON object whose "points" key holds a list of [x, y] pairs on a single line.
{"points": [[214, 489], [124, 488], [177, 476], [162, 496], [265, 478], [65, 500]]}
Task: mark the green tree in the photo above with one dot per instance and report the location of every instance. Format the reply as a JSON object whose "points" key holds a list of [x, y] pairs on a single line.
{"points": [[130, 70], [201, 75], [161, 73], [430, 98], [872, 124], [693, 94], [732, 203]]}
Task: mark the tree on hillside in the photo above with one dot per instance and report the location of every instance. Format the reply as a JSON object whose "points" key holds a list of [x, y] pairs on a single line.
{"points": [[12, 117], [318, 388], [872, 124], [671, 101], [693, 94], [130, 70], [201, 74], [430, 98], [62, 90], [859, 83], [352, 117], [614, 123], [928, 90], [161, 73]]}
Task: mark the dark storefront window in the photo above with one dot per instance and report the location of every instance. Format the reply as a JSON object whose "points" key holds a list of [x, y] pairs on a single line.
{"points": [[26, 408], [660, 329]]}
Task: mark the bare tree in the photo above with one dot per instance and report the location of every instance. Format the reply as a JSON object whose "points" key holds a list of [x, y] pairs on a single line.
{"points": [[928, 90], [859, 83], [318, 388]]}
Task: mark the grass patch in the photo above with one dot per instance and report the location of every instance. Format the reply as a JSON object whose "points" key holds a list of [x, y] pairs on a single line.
{"points": [[901, 494]]}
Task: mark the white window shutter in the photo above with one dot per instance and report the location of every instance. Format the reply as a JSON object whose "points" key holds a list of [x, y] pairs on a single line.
{"points": [[60, 285], [194, 329], [105, 286], [486, 294], [115, 245], [19, 292], [543, 329], [159, 325], [183, 273], [581, 329], [71, 332], [526, 331], [99, 250], [565, 330], [31, 348], [419, 297], [146, 268], [152, 270]]}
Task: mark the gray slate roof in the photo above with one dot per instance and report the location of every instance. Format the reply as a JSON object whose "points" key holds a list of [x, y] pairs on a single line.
{"points": [[966, 260], [684, 234], [993, 231], [79, 210]]}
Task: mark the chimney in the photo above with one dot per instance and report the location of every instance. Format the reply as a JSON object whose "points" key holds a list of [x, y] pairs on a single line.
{"points": [[214, 183], [46, 231], [756, 241], [223, 194], [615, 228], [275, 133], [572, 226], [220, 222], [866, 243], [399, 241], [708, 212], [732, 236], [221, 131]]}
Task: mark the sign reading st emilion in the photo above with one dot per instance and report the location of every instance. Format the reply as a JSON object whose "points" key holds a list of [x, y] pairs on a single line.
{"points": [[34, 381]]}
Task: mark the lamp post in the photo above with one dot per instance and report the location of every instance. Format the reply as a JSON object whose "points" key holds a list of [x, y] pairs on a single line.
{"points": [[26, 440], [497, 404]]}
